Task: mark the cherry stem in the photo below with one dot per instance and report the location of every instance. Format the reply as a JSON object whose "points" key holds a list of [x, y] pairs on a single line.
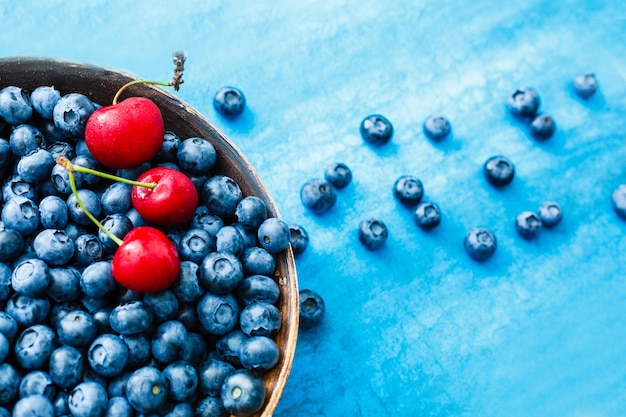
{"points": [[119, 92], [69, 166]]}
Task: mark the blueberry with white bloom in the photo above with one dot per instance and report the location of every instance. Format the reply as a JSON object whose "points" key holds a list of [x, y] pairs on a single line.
{"points": [[88, 399]]}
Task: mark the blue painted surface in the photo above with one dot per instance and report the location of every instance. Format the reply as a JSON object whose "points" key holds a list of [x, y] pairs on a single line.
{"points": [[417, 328]]}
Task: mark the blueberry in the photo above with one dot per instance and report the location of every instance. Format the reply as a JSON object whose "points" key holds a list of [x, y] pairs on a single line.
{"points": [[228, 347], [97, 280], [376, 130], [107, 355], [16, 186], [619, 200], [58, 149], [33, 405], [118, 225], [221, 272], [61, 404], [54, 247], [312, 308], [528, 224], [9, 383], [182, 379], [480, 243], [499, 170], [248, 236], [408, 190], [11, 245], [299, 238], [117, 385], [8, 325], [196, 155], [274, 235], [138, 349], [5, 282], [187, 285], [211, 376], [88, 249], [71, 112], [542, 127], [77, 328], [43, 100], [61, 310], [87, 161], [258, 288], [256, 260], [135, 218], [37, 383], [221, 195], [6, 156], [243, 393], [550, 213], [164, 305], [66, 367], [251, 212], [195, 350], [119, 407], [90, 200], [61, 180], [146, 389], [116, 198], [30, 277], [210, 407], [4, 347], [259, 353], [427, 215], [524, 103], [131, 318], [53, 212], [436, 127], [36, 165], [64, 284], [228, 239], [202, 219], [373, 233], [88, 399], [21, 214], [585, 84], [34, 346], [229, 101], [260, 319], [218, 314], [338, 174], [318, 195], [15, 105], [168, 341], [169, 148]]}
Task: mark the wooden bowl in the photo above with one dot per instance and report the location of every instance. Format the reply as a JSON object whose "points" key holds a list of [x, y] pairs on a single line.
{"points": [[100, 85]]}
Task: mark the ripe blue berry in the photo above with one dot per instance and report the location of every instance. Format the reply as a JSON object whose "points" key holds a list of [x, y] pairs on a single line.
{"points": [[182, 379], [107, 355], [427, 215], [542, 127], [260, 319], [524, 103], [146, 389], [43, 99], [88, 399], [33, 405], [168, 341], [229, 101], [196, 155], [585, 84], [408, 190], [256, 260], [480, 243], [376, 130], [528, 224], [53, 213], [218, 314], [312, 308], [70, 114], [274, 235], [251, 212], [318, 195], [550, 213], [299, 238], [437, 127], [258, 288], [132, 317], [221, 195], [499, 170], [373, 233], [77, 328], [243, 393], [66, 367], [211, 376], [34, 346], [221, 272], [15, 105], [338, 174], [259, 353], [54, 246]]}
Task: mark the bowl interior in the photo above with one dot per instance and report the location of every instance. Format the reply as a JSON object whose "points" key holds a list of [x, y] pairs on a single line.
{"points": [[100, 85]]}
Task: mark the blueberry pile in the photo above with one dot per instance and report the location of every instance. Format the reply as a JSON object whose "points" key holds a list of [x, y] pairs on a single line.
{"points": [[75, 342]]}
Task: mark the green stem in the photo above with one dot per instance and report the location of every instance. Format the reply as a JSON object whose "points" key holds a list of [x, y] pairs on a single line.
{"points": [[119, 92], [85, 170], [88, 213]]}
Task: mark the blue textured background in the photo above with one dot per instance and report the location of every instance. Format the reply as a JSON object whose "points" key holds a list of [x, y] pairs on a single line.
{"points": [[417, 328]]}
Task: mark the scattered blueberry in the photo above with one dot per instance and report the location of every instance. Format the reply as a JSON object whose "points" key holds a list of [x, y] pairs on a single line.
{"points": [[542, 127], [318, 195], [373, 233], [499, 170], [338, 174], [408, 190], [312, 308], [528, 224], [427, 215], [299, 238], [376, 130], [480, 243], [524, 103], [550, 213], [619, 200], [436, 127], [229, 101], [585, 84]]}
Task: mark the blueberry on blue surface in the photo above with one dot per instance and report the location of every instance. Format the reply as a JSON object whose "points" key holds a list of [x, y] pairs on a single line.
{"points": [[97, 280], [210, 407], [318, 195], [9, 383], [427, 215], [146, 389], [116, 198], [21, 214], [218, 314], [228, 347], [35, 166], [550, 213], [4, 347], [436, 127], [542, 127], [28, 310], [119, 407], [187, 285], [53, 212], [37, 383], [221, 195], [88, 399], [211, 376], [15, 105], [71, 112], [228, 239], [585, 84], [30, 277], [259, 353], [88, 249], [229, 101], [260, 319], [11, 245], [258, 288], [528, 224], [33, 405], [376, 130], [107, 355], [90, 200], [312, 308], [117, 224], [164, 305], [338, 174], [34, 346], [243, 393], [131, 318], [77, 328], [43, 99], [299, 239], [221, 272], [480, 243], [196, 155], [499, 170], [251, 212], [168, 341], [373, 233], [66, 367], [64, 284], [182, 379], [54, 246], [524, 103], [408, 190], [274, 235]]}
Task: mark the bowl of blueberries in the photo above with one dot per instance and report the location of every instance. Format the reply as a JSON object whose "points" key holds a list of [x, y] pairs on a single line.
{"points": [[144, 267]]}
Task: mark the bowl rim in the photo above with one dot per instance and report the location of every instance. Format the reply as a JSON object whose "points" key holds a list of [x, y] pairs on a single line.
{"points": [[289, 282]]}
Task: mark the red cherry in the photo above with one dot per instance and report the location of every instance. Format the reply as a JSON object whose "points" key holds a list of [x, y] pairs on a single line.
{"points": [[172, 202], [147, 261], [126, 134]]}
